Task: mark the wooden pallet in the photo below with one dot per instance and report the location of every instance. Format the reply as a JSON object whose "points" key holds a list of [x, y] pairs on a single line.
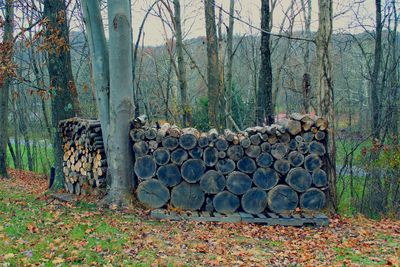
{"points": [[301, 219]]}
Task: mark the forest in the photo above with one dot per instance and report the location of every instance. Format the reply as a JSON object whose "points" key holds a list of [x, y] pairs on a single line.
{"points": [[212, 66]]}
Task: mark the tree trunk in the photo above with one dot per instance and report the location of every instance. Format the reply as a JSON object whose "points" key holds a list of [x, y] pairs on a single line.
{"points": [[212, 63], [229, 89], [264, 111], [307, 62], [64, 102], [394, 80], [186, 110], [121, 103], [6, 56], [325, 86]]}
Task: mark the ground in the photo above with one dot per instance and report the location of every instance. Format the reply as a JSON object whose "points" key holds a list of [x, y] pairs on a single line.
{"points": [[35, 230]]}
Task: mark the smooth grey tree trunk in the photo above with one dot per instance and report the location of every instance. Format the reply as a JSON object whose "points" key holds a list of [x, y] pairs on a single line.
{"points": [[229, 47], [264, 111], [121, 103], [5, 85]]}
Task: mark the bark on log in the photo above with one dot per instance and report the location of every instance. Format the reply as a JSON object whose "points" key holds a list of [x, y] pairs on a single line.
{"points": [[238, 183], [226, 203], [282, 199], [169, 174], [265, 178], [212, 182], [254, 201], [186, 196], [152, 193], [192, 170]]}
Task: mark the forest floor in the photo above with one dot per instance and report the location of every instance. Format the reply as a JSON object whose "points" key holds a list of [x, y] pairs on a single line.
{"points": [[35, 229]]}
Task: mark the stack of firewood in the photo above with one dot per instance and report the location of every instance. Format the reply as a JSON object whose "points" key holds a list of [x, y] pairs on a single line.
{"points": [[84, 159], [275, 168]]}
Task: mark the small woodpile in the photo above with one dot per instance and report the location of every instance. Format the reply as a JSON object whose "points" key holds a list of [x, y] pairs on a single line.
{"points": [[84, 160], [275, 168]]}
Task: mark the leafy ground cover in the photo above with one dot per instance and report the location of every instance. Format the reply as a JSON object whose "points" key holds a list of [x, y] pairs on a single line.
{"points": [[36, 230]]}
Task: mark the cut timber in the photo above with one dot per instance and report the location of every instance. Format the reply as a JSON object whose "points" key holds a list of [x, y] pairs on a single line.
{"points": [[317, 148], [299, 179], [282, 199], [296, 158], [320, 179], [179, 156], [320, 135], [212, 135], [282, 166], [246, 165], [203, 141], [245, 141], [212, 182], [226, 203], [140, 148], [255, 139], [192, 170], [265, 147], [150, 133], [308, 137], [188, 141], [225, 166], [313, 199], [264, 160], [302, 148], [279, 151], [312, 163], [152, 193], [187, 196], [253, 151], [145, 167], [169, 175], [254, 201], [161, 156], [210, 156], [265, 178], [321, 123], [170, 142], [292, 126], [221, 144], [238, 183], [235, 152], [196, 153], [284, 138]]}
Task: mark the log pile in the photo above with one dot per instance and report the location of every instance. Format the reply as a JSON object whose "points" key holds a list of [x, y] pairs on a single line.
{"points": [[277, 168], [84, 160]]}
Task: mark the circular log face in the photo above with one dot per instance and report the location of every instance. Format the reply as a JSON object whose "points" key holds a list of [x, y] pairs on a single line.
{"points": [[225, 202], [320, 135], [212, 182], [170, 142], [282, 166], [312, 199], [265, 160], [308, 137], [245, 142], [299, 179], [317, 148], [140, 148], [253, 151], [235, 152], [179, 156], [265, 147], [221, 144], [169, 174], [203, 141], [265, 178], [255, 139], [210, 156], [246, 165], [278, 151], [238, 183], [161, 156], [296, 158], [192, 170], [152, 193], [225, 166], [292, 145], [188, 141], [145, 167], [282, 199], [187, 196], [302, 147], [196, 153], [254, 201], [320, 179], [151, 133], [284, 138], [312, 163]]}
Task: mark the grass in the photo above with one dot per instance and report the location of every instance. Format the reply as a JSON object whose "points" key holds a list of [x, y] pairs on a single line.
{"points": [[37, 230]]}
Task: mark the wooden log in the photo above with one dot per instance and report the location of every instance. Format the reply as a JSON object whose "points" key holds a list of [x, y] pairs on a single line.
{"points": [[254, 201], [317, 148], [284, 138], [210, 156], [313, 199], [145, 167], [221, 144], [225, 166], [235, 152], [302, 148], [282, 199], [279, 151], [312, 163], [255, 139], [212, 182], [140, 148], [292, 145], [170, 142], [320, 135], [308, 137], [238, 183], [179, 156], [272, 139], [321, 123], [225, 202], [221, 154], [292, 126], [296, 158], [153, 145], [137, 135], [203, 141], [161, 156], [162, 132], [282, 166], [188, 141], [265, 147], [264, 160], [152, 193], [299, 179], [192, 170], [320, 178], [265, 178], [174, 131], [246, 165], [229, 135], [186, 196], [209, 205], [150, 134], [245, 141], [196, 153], [253, 151], [169, 175], [212, 135]]}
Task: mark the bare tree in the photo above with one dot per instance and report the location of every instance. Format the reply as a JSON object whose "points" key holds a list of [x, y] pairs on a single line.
{"points": [[228, 88]]}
